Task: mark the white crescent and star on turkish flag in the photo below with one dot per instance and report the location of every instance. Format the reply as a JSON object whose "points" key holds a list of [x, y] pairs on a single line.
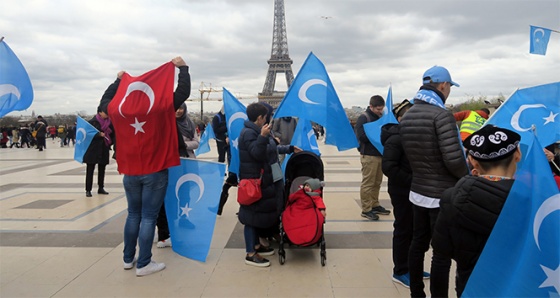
{"points": [[147, 90]]}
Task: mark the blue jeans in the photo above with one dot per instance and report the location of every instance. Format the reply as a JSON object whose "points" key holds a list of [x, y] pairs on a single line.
{"points": [[251, 238], [145, 195]]}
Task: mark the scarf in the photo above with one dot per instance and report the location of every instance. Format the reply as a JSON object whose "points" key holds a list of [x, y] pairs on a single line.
{"points": [[106, 128], [430, 97], [185, 124]]}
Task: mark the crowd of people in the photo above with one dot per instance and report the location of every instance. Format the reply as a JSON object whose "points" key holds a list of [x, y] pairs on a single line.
{"points": [[435, 171], [33, 135], [441, 179]]}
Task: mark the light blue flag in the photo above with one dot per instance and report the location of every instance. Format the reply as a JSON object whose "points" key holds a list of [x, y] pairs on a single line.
{"points": [[193, 195], [312, 96], [204, 146], [537, 106], [539, 40], [236, 114], [373, 129], [84, 135], [522, 255], [304, 138], [16, 91]]}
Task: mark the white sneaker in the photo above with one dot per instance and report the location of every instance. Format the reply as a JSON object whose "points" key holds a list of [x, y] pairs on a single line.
{"points": [[128, 266], [152, 267], [164, 243]]}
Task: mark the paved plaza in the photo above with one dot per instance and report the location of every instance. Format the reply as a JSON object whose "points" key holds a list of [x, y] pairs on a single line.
{"points": [[55, 242]]}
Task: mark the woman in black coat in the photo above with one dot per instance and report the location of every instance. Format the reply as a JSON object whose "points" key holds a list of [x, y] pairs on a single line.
{"points": [[98, 151], [258, 153]]}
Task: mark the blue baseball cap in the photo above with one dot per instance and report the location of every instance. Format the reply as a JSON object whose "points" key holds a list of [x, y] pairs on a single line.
{"points": [[438, 74]]}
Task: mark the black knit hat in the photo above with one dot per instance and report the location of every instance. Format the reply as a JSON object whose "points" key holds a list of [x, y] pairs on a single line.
{"points": [[492, 143]]}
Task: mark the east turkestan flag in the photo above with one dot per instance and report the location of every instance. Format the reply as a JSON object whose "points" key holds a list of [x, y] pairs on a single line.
{"points": [[16, 91]]}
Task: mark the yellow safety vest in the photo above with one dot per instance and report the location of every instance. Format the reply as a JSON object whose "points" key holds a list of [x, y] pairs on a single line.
{"points": [[473, 123]]}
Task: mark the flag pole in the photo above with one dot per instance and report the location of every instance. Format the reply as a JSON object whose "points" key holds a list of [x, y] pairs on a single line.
{"points": [[555, 165], [546, 28]]}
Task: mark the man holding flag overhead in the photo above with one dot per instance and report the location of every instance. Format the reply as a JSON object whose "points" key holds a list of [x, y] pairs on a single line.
{"points": [[142, 110], [370, 158]]}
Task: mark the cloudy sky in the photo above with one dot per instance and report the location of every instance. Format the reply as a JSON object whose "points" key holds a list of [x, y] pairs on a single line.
{"points": [[73, 50]]}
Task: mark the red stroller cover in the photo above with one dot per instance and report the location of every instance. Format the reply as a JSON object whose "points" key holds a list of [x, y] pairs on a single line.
{"points": [[302, 221]]}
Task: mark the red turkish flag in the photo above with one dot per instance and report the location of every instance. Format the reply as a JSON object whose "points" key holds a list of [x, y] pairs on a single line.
{"points": [[143, 115]]}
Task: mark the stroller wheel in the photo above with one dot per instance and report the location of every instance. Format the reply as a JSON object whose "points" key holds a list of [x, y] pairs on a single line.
{"points": [[281, 258], [323, 258]]}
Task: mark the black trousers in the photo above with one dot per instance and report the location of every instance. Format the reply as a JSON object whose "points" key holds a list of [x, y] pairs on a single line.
{"points": [[230, 181], [223, 149], [162, 226], [423, 227], [402, 231], [100, 175], [41, 143]]}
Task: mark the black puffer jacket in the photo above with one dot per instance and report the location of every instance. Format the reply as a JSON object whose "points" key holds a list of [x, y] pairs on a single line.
{"points": [[431, 141], [255, 153], [468, 213], [395, 164]]}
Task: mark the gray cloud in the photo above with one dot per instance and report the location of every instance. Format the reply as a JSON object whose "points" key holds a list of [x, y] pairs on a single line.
{"points": [[73, 49]]}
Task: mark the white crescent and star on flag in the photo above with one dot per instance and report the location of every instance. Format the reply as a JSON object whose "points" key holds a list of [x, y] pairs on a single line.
{"points": [[538, 39], [549, 206], [310, 135], [146, 89], [517, 115], [182, 180], [302, 94], [236, 116], [9, 89], [83, 131]]}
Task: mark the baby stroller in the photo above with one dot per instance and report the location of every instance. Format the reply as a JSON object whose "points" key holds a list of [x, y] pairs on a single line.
{"points": [[300, 167]]}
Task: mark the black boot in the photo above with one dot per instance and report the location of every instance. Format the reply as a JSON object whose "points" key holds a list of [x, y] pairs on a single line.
{"points": [[88, 194], [101, 191]]}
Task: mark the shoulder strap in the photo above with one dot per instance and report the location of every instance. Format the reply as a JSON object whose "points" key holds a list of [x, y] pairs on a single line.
{"points": [[368, 116]]}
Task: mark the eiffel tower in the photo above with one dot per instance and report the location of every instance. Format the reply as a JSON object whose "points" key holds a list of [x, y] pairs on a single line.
{"points": [[279, 61]]}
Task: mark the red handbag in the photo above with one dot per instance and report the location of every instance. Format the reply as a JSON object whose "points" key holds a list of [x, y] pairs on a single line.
{"points": [[249, 190]]}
